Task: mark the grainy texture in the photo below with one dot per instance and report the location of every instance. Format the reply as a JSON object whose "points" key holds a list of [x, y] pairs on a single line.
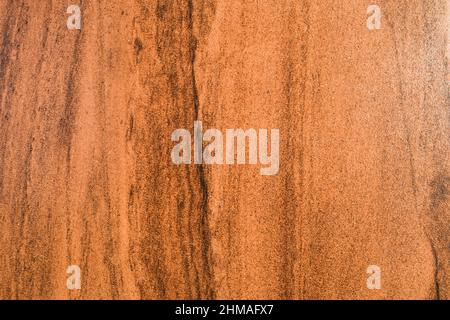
{"points": [[86, 176]]}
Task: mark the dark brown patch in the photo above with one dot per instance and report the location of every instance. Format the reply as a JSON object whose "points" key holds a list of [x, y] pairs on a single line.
{"points": [[440, 190]]}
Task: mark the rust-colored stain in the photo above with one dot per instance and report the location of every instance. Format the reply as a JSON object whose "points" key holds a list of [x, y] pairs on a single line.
{"points": [[87, 179]]}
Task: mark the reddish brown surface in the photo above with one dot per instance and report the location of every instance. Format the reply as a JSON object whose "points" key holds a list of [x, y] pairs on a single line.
{"points": [[85, 170]]}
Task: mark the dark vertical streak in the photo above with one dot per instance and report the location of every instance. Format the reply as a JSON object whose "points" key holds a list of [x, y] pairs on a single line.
{"points": [[65, 129], [304, 62], [437, 291], [204, 223], [5, 53]]}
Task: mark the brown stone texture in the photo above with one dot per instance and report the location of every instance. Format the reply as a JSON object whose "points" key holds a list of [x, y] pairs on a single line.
{"points": [[86, 176]]}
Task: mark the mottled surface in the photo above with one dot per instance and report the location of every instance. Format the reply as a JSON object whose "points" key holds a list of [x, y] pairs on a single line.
{"points": [[86, 176]]}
